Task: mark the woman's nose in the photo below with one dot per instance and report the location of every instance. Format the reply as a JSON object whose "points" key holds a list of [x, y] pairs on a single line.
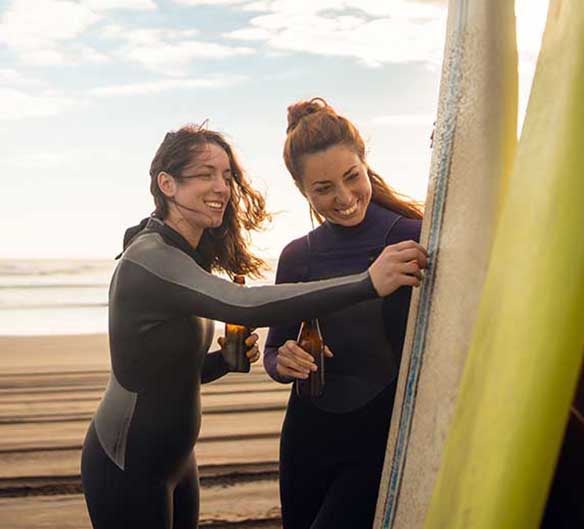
{"points": [[343, 196], [220, 185]]}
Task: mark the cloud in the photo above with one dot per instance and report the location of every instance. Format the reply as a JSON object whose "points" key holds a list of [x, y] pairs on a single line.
{"points": [[108, 5], [42, 35], [210, 2], [155, 87], [372, 32], [400, 120], [146, 36], [38, 160], [244, 5], [531, 18], [9, 76], [168, 51], [36, 34], [175, 58], [260, 5], [17, 104], [91, 55]]}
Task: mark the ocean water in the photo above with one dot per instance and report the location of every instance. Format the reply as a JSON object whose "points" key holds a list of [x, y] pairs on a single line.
{"points": [[39, 297]]}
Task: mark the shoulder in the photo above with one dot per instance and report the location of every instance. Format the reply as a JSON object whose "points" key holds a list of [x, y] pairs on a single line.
{"points": [[405, 229], [400, 228], [143, 245], [381, 218], [154, 256], [292, 260], [296, 249]]}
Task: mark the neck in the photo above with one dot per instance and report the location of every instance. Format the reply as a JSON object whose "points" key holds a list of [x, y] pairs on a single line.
{"points": [[178, 223]]}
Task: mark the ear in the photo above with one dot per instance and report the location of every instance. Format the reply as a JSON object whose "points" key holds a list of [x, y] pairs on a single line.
{"points": [[166, 183]]}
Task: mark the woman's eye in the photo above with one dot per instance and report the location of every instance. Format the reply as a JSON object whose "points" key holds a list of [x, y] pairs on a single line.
{"points": [[352, 176], [322, 190]]}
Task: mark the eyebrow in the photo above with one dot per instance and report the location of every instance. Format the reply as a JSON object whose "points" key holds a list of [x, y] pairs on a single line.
{"points": [[209, 166], [328, 181]]}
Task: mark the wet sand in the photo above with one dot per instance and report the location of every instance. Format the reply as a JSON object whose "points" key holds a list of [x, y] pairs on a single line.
{"points": [[49, 389]]}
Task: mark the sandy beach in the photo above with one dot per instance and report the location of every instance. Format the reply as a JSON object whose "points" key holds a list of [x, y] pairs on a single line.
{"points": [[37, 354], [49, 389]]}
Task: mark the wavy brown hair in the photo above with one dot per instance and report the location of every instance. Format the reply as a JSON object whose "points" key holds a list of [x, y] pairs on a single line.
{"points": [[314, 126], [225, 248]]}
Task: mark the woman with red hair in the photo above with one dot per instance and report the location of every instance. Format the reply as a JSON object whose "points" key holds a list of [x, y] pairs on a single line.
{"points": [[332, 447]]}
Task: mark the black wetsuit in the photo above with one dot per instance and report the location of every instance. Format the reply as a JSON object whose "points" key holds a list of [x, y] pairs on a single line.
{"points": [[332, 448], [137, 468]]}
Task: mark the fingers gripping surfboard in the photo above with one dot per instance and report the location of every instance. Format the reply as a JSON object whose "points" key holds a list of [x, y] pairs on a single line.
{"points": [[474, 148], [527, 345]]}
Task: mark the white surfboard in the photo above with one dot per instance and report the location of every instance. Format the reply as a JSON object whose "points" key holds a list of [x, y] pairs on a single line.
{"points": [[475, 144]]}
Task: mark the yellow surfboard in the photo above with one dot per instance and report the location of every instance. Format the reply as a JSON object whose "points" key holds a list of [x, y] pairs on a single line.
{"points": [[475, 142], [527, 345]]}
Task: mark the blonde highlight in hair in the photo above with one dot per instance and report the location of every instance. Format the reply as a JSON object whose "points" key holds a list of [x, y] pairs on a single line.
{"points": [[314, 126]]}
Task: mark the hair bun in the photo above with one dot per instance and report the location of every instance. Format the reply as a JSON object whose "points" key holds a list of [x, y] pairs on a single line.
{"points": [[300, 110]]}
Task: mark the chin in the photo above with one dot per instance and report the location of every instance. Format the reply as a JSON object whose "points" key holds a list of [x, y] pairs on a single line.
{"points": [[216, 224], [352, 221]]}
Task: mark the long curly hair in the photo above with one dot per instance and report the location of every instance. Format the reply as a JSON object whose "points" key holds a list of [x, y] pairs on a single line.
{"points": [[225, 248], [314, 126]]}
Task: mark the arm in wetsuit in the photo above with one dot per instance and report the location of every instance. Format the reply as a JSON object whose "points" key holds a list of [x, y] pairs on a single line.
{"points": [[171, 285]]}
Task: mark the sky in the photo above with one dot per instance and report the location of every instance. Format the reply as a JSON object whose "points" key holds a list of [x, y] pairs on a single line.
{"points": [[88, 89]]}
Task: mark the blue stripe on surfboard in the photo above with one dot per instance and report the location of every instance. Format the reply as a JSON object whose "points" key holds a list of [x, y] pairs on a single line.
{"points": [[425, 302]]}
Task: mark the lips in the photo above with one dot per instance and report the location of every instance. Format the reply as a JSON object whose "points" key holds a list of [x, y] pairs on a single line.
{"points": [[215, 205], [347, 212]]}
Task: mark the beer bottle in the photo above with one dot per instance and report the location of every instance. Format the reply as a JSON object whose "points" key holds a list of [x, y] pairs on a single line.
{"points": [[234, 347], [310, 339]]}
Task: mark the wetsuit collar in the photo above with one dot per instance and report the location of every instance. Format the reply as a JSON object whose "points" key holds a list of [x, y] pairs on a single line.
{"points": [[172, 237], [338, 229]]}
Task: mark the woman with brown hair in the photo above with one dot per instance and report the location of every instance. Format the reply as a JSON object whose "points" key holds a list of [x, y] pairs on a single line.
{"points": [[332, 447], [138, 468]]}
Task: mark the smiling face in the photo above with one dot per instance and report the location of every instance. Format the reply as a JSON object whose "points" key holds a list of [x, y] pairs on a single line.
{"points": [[201, 192], [336, 184]]}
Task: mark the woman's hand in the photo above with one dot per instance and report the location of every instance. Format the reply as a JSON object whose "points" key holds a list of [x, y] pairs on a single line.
{"points": [[398, 265], [294, 362], [253, 353]]}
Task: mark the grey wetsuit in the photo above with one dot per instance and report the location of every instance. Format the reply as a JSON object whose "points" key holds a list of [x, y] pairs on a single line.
{"points": [[138, 468]]}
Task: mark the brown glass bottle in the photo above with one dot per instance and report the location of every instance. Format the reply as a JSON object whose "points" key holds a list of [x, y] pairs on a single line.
{"points": [[310, 339], [234, 347]]}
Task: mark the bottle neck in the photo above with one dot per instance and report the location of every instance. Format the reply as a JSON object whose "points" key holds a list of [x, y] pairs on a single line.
{"points": [[312, 327]]}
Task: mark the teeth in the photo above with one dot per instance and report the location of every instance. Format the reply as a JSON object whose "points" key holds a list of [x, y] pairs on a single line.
{"points": [[348, 211], [215, 205]]}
